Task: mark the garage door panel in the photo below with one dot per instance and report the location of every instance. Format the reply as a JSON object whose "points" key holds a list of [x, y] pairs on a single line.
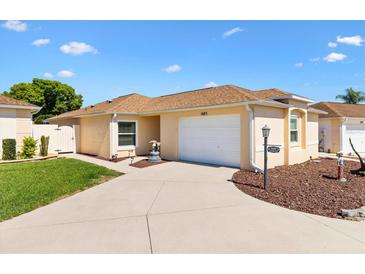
{"points": [[213, 139], [357, 135]]}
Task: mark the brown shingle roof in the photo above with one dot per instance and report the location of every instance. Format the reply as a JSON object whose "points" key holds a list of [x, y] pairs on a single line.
{"points": [[274, 92], [270, 93], [4, 100], [127, 103], [136, 103], [340, 109], [201, 97], [133, 103]]}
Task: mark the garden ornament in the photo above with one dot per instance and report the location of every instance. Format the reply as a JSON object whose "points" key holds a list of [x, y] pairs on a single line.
{"points": [[340, 164], [155, 152]]}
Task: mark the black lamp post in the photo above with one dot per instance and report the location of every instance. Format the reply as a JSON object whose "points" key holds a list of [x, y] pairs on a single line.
{"points": [[265, 134]]}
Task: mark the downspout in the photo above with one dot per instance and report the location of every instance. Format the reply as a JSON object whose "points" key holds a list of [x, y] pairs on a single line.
{"points": [[253, 165]]}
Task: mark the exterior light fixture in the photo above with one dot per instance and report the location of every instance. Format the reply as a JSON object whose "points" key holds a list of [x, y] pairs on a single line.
{"points": [[265, 131]]}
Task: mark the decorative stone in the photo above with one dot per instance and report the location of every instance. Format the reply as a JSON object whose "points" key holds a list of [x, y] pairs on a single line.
{"points": [[154, 157], [352, 213]]}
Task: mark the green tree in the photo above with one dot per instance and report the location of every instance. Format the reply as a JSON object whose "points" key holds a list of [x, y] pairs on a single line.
{"points": [[53, 96], [352, 97]]}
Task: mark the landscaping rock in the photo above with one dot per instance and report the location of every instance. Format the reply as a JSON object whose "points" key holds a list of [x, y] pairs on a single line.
{"points": [[357, 212], [308, 187]]}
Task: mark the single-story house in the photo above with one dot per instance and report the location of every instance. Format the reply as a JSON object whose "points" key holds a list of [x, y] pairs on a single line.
{"points": [[219, 125], [15, 120], [342, 121]]}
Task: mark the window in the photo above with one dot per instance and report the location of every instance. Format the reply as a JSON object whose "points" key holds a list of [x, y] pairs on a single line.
{"points": [[126, 133], [294, 134]]}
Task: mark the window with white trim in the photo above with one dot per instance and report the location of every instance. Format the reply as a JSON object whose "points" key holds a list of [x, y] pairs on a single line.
{"points": [[126, 133], [294, 132]]}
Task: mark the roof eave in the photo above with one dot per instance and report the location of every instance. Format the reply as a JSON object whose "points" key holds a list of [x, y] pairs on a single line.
{"points": [[35, 108], [242, 103], [313, 110], [294, 97]]}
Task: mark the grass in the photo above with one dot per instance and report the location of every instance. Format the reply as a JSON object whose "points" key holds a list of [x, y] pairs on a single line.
{"points": [[26, 186]]}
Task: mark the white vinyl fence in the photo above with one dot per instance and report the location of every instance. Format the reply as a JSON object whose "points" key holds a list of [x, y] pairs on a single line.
{"points": [[62, 139]]}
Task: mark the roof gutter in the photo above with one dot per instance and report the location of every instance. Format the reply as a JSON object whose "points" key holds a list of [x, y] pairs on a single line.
{"points": [[242, 103], [35, 108]]}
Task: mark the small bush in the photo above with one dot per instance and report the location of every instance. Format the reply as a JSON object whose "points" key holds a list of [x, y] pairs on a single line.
{"points": [[43, 147], [29, 147], [9, 149]]}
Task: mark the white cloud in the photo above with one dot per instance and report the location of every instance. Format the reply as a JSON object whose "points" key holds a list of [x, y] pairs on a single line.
{"points": [[172, 68], [47, 75], [332, 44], [352, 40], [65, 73], [231, 32], [77, 48], [210, 85], [334, 57], [314, 60], [298, 65], [15, 25], [41, 42]]}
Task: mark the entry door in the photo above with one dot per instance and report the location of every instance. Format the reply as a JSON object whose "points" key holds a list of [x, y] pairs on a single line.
{"points": [[210, 139], [357, 135]]}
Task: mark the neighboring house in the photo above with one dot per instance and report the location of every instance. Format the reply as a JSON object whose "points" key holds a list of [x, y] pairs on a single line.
{"points": [[15, 120], [220, 125], [342, 121]]}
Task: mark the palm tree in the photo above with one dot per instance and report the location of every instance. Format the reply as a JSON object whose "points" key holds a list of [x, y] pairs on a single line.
{"points": [[352, 97]]}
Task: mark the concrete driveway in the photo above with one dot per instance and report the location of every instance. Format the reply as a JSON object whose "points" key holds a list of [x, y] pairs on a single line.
{"points": [[174, 208]]}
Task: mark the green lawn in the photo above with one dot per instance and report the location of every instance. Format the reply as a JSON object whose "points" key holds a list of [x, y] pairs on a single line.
{"points": [[26, 186]]}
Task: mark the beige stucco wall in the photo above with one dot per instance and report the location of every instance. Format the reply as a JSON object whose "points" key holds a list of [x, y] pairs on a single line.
{"points": [[94, 135], [273, 118], [23, 126], [148, 128], [332, 129], [279, 122], [169, 131], [15, 124]]}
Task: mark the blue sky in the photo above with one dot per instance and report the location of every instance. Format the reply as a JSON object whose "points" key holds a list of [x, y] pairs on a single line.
{"points": [[113, 58]]}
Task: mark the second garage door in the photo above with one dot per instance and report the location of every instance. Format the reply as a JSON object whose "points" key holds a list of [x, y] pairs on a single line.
{"points": [[357, 135], [210, 139]]}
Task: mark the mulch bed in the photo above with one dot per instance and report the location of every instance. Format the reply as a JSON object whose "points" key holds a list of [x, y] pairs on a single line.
{"points": [[145, 163], [310, 187]]}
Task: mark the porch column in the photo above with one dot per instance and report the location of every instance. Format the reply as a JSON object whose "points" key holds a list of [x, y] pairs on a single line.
{"points": [[287, 136], [113, 128]]}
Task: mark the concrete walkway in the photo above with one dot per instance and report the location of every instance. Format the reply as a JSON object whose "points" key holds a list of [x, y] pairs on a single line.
{"points": [[174, 208]]}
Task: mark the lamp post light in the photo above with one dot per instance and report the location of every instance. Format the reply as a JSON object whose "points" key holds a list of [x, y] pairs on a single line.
{"points": [[265, 134]]}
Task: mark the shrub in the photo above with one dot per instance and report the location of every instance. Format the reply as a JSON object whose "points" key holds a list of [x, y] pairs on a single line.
{"points": [[9, 149], [29, 147], [43, 147]]}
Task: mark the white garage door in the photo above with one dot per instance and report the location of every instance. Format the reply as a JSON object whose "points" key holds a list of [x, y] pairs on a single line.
{"points": [[210, 139], [357, 135]]}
